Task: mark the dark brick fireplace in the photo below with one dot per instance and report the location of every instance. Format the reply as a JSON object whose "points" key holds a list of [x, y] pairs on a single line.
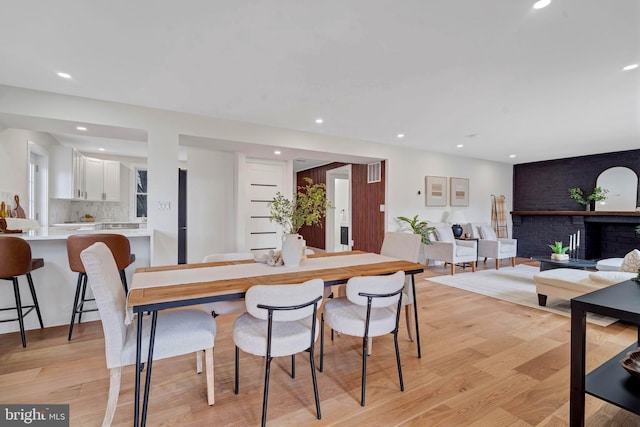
{"points": [[602, 234], [544, 213]]}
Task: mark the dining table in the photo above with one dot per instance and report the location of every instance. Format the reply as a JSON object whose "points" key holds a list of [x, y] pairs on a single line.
{"points": [[162, 287]]}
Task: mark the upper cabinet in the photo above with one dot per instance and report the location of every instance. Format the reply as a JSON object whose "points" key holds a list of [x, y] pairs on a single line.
{"points": [[76, 177], [66, 168]]}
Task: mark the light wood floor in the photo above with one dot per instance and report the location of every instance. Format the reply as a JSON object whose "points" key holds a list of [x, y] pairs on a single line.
{"points": [[485, 363]]}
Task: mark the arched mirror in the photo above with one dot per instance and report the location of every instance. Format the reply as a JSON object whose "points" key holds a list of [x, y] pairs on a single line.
{"points": [[622, 184]]}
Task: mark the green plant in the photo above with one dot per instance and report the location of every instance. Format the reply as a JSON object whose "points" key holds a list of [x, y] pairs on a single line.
{"points": [[597, 195], [557, 248], [308, 208], [638, 229], [419, 227]]}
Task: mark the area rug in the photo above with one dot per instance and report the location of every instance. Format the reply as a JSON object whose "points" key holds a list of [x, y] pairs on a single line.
{"points": [[516, 285]]}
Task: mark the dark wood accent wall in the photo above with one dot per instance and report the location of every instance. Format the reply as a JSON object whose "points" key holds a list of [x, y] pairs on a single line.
{"points": [[315, 236], [366, 219]]}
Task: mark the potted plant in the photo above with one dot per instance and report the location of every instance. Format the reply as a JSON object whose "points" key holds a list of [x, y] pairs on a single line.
{"points": [[419, 227], [559, 252], [308, 208], [589, 201]]}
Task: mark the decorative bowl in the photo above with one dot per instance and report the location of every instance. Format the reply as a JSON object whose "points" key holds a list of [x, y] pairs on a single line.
{"points": [[631, 363]]}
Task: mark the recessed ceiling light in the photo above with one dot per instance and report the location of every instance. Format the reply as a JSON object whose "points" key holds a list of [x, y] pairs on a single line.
{"points": [[460, 145], [512, 155], [400, 135], [541, 4], [630, 67], [319, 121], [82, 128], [64, 75], [100, 149], [277, 152]]}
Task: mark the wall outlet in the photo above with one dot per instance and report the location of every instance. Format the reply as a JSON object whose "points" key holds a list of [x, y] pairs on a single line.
{"points": [[381, 208]]}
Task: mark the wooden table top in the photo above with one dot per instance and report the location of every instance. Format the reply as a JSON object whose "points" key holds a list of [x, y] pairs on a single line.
{"points": [[216, 289]]}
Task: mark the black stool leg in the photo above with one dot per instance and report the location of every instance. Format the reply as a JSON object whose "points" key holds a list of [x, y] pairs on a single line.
{"points": [[35, 299], [82, 299], [16, 292], [75, 306]]}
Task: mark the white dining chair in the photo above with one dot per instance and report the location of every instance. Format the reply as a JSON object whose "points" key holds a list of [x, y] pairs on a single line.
{"points": [[235, 306], [178, 332], [405, 246], [365, 313], [281, 320]]}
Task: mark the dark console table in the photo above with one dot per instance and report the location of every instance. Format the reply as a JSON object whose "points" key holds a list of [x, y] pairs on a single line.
{"points": [[546, 263], [609, 381]]}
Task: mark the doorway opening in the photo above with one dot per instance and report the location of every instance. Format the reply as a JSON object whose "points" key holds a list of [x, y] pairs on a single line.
{"points": [[38, 190], [338, 220]]}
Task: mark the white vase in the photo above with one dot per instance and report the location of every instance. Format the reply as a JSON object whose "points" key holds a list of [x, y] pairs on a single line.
{"points": [[292, 247], [560, 257]]}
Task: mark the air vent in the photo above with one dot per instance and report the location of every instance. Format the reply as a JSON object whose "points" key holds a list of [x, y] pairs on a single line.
{"points": [[373, 172]]}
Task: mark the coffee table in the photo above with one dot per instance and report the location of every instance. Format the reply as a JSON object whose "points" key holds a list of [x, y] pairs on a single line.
{"points": [[546, 263]]}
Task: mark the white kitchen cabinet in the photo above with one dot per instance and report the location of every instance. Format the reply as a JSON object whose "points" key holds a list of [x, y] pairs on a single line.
{"points": [[111, 186], [76, 177], [66, 168], [94, 179], [102, 180]]}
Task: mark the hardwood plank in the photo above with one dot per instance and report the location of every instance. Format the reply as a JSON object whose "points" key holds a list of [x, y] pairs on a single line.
{"points": [[485, 363]]}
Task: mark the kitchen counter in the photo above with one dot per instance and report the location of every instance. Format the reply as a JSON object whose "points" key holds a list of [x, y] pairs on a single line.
{"points": [[55, 283], [61, 233]]}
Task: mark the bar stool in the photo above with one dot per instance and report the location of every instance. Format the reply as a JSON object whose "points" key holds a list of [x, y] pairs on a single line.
{"points": [[76, 243], [16, 261]]}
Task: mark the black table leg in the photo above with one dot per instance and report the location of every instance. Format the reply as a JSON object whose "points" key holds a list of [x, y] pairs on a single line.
{"points": [[577, 383], [136, 400], [415, 313], [147, 384]]}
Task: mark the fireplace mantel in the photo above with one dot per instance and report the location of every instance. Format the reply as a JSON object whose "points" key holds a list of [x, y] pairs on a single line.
{"points": [[577, 213]]}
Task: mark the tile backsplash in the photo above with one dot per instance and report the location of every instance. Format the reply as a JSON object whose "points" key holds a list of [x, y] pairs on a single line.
{"points": [[61, 211]]}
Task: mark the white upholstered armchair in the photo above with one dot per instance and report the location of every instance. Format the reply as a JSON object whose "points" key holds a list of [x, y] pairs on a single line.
{"points": [[444, 247], [490, 246]]}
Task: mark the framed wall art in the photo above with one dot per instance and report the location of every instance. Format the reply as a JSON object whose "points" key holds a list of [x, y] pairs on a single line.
{"points": [[459, 191], [435, 190]]}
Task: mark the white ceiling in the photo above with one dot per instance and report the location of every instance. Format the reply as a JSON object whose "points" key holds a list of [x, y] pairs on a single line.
{"points": [[495, 75]]}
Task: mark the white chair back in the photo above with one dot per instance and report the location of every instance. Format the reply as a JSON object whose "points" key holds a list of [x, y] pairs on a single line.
{"points": [[375, 285], [230, 256], [104, 278], [400, 245], [283, 295]]}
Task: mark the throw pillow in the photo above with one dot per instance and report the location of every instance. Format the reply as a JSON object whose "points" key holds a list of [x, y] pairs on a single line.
{"points": [[487, 233], [445, 234], [610, 277], [631, 262]]}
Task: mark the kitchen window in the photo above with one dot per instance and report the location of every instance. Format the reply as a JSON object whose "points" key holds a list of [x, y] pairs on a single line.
{"points": [[141, 192]]}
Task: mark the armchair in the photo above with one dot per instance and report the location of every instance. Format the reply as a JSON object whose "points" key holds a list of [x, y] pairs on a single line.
{"points": [[490, 246], [444, 247]]}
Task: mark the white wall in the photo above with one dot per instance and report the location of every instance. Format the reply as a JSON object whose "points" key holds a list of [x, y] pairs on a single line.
{"points": [[405, 172], [14, 162], [210, 203]]}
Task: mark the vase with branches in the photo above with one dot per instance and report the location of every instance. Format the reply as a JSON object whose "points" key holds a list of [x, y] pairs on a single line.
{"points": [[307, 208]]}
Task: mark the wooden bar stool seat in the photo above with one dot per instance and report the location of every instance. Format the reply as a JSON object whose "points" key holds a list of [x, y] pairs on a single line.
{"points": [[16, 261], [76, 243]]}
